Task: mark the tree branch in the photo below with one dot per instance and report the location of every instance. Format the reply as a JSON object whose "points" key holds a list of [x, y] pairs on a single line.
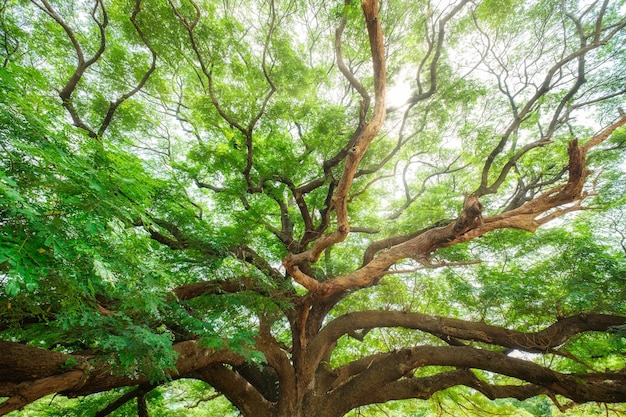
{"points": [[541, 341], [355, 154], [113, 106], [82, 64], [238, 391], [389, 368], [136, 393]]}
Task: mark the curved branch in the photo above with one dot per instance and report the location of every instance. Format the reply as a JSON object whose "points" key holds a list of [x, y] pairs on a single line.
{"points": [[30, 373], [365, 102], [248, 131], [82, 64], [411, 199], [141, 390], [469, 225], [392, 241], [547, 83], [424, 387], [362, 141], [198, 289], [541, 341], [434, 49], [115, 104], [27, 392], [390, 368], [280, 362], [177, 240], [238, 391]]}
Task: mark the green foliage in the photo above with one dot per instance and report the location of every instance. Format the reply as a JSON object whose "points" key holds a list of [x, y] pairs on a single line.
{"points": [[66, 204], [198, 179]]}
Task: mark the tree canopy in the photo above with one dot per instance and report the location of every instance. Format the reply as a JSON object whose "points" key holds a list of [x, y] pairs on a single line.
{"points": [[306, 208]]}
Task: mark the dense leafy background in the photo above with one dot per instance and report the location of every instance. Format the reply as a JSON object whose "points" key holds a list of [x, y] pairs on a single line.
{"points": [[81, 268]]}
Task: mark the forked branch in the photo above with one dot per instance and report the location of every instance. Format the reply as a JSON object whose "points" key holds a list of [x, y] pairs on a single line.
{"points": [[364, 136], [82, 63], [470, 224]]}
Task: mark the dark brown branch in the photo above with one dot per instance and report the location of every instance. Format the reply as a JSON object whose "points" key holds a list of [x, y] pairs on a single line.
{"points": [[238, 391], [266, 74], [176, 239], [136, 393], [204, 399], [205, 68], [82, 64], [250, 256], [526, 192], [510, 164], [211, 187], [424, 388], [30, 373], [248, 135], [9, 45], [385, 368], [541, 341], [198, 289], [115, 104], [142, 406], [298, 195]]}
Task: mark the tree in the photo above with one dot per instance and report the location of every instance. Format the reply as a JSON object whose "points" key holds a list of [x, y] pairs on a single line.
{"points": [[228, 193]]}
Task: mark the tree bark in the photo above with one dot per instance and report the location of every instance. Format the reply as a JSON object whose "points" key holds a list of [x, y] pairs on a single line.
{"points": [[305, 384]]}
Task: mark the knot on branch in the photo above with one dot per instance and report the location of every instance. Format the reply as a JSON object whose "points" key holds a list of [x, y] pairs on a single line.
{"points": [[470, 217], [467, 334], [572, 190], [576, 162]]}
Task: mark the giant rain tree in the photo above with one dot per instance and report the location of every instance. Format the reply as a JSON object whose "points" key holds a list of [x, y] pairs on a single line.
{"points": [[284, 199]]}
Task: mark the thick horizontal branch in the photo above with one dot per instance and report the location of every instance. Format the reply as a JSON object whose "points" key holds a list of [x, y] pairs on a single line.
{"points": [[29, 373], [387, 368], [27, 392], [541, 341], [424, 387], [197, 289]]}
